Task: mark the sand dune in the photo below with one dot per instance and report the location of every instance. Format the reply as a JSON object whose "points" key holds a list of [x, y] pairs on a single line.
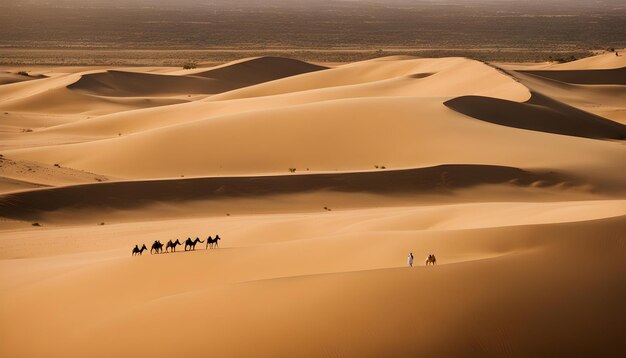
{"points": [[29, 205], [38, 174], [602, 61], [585, 77], [603, 100], [258, 70], [65, 101], [320, 181], [217, 80], [134, 84], [9, 77], [410, 139], [437, 77], [540, 113], [349, 279]]}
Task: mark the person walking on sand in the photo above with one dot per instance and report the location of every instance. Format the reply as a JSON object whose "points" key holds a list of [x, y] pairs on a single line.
{"points": [[410, 259]]}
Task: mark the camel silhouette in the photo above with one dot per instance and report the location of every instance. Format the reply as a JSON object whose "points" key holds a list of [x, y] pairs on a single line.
{"points": [[172, 245], [431, 259], [157, 247], [137, 251], [210, 242], [192, 244]]}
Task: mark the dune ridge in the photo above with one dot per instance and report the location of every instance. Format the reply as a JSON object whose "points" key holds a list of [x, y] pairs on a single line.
{"points": [[539, 113], [28, 205], [615, 76], [221, 79]]}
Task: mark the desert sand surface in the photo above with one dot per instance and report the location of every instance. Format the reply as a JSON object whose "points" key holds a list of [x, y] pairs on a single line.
{"points": [[319, 179]]}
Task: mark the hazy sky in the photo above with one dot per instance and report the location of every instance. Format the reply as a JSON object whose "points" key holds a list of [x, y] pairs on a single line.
{"points": [[234, 3], [312, 23]]}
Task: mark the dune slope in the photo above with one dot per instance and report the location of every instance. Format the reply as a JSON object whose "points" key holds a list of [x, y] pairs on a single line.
{"points": [[540, 113]]}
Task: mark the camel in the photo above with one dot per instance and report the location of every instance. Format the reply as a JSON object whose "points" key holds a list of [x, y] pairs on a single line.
{"points": [[210, 242], [172, 245], [157, 247], [431, 260], [192, 244], [137, 251]]}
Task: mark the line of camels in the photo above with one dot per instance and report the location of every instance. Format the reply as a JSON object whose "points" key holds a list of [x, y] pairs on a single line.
{"points": [[190, 245]]}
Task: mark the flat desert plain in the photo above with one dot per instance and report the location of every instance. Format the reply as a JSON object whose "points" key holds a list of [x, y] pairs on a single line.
{"points": [[320, 180]]}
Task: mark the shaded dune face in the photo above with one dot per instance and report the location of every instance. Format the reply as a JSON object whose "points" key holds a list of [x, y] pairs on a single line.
{"points": [[10, 77], [540, 113], [30, 205], [223, 79], [259, 70], [131, 84], [585, 77]]}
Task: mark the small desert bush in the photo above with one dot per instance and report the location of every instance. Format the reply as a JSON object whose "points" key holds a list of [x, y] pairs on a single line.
{"points": [[23, 73], [292, 170], [189, 66], [562, 59]]}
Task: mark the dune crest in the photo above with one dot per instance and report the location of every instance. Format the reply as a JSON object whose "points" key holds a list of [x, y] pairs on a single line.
{"points": [[540, 113]]}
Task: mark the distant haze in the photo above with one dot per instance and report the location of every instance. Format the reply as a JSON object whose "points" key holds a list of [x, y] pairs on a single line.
{"points": [[195, 24]]}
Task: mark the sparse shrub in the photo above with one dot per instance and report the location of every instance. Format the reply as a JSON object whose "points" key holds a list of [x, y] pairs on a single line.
{"points": [[57, 165], [36, 224], [98, 179], [376, 166], [562, 59], [292, 170], [383, 167], [101, 224], [27, 130], [189, 66], [119, 134], [611, 49], [23, 73], [227, 214]]}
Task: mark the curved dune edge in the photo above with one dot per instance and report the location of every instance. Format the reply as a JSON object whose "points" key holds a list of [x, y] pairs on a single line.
{"points": [[133, 194], [9, 77], [425, 77], [260, 69], [222, 79], [115, 83], [616, 76], [541, 114]]}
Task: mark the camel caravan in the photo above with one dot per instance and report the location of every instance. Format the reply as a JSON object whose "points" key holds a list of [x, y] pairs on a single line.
{"points": [[190, 245]]}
